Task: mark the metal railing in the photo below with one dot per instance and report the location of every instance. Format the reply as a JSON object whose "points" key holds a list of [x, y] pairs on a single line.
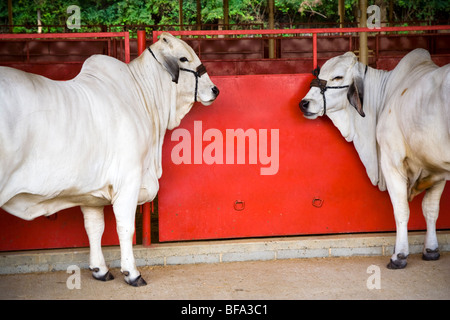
{"points": [[313, 32], [125, 35]]}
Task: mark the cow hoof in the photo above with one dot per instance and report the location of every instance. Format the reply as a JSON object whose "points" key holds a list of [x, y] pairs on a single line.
{"points": [[106, 277], [400, 263], [431, 255], [138, 282]]}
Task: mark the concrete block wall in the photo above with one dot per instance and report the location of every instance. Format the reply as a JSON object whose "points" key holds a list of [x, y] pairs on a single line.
{"points": [[346, 245]]}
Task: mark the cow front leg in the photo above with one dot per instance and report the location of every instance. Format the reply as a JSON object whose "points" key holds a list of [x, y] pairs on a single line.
{"points": [[430, 208], [125, 211], [397, 188], [94, 224]]}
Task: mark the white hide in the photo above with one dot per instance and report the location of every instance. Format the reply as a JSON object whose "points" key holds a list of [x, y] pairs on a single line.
{"points": [[94, 140], [404, 138]]}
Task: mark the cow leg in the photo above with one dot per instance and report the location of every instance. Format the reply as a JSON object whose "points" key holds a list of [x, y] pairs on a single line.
{"points": [[397, 188], [94, 224], [430, 208], [125, 211]]}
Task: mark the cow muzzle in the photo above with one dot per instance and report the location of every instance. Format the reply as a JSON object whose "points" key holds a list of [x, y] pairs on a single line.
{"points": [[215, 91], [304, 107], [211, 96], [308, 110]]}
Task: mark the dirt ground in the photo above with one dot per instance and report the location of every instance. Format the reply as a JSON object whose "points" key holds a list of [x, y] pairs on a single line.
{"points": [[315, 278]]}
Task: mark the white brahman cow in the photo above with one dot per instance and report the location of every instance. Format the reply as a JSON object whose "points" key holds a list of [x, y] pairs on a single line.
{"points": [[96, 139], [399, 122]]}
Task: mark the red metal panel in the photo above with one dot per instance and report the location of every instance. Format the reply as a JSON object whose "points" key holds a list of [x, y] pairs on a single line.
{"points": [[389, 63], [321, 185], [62, 230], [54, 71], [262, 66], [125, 35]]}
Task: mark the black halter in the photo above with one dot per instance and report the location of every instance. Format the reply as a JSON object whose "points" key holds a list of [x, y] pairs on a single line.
{"points": [[201, 70], [322, 85]]}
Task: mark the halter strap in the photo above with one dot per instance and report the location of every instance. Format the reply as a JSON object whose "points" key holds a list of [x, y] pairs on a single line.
{"points": [[322, 85], [201, 70]]}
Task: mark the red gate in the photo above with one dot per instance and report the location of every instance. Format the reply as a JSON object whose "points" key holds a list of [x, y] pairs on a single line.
{"points": [[306, 186], [286, 175], [317, 184]]}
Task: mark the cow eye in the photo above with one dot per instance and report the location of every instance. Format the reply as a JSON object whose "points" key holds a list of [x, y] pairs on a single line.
{"points": [[183, 59], [337, 78]]}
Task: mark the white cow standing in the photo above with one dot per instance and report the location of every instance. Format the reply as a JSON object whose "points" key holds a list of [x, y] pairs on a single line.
{"points": [[96, 140], [402, 131]]}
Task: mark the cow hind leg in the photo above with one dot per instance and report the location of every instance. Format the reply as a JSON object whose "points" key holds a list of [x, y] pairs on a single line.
{"points": [[397, 188], [94, 224], [430, 208]]}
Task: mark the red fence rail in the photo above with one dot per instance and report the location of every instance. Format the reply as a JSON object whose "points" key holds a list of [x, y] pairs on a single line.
{"points": [[314, 33], [66, 36]]}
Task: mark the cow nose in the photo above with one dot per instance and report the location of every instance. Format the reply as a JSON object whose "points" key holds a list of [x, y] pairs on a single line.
{"points": [[304, 105], [215, 90]]}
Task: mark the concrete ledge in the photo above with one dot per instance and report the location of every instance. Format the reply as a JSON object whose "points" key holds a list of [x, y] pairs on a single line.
{"points": [[219, 251]]}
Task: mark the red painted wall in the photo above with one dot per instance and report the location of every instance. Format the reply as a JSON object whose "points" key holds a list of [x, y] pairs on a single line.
{"points": [[320, 187]]}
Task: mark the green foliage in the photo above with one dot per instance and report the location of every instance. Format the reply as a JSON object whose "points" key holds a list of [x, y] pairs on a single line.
{"points": [[427, 10], [164, 12]]}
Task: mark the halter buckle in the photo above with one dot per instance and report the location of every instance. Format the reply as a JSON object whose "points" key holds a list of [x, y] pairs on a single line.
{"points": [[201, 70], [321, 84]]}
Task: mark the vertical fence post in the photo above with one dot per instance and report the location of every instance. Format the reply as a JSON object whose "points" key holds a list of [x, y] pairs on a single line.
{"points": [[146, 210], [126, 36], [271, 26], [141, 41], [363, 49], [155, 35], [314, 50], [146, 223]]}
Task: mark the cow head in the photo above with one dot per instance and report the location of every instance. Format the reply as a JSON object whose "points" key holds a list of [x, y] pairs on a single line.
{"points": [[192, 83], [338, 92], [338, 86], [185, 68]]}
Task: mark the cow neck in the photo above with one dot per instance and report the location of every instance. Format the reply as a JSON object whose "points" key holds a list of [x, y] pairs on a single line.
{"points": [[375, 90], [155, 89], [158, 96], [364, 138]]}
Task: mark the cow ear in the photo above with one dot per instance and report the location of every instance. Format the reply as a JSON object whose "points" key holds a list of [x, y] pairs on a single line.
{"points": [[355, 95], [171, 65], [169, 61]]}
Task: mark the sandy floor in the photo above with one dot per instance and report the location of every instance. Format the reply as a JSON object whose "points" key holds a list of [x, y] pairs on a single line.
{"points": [[321, 278]]}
